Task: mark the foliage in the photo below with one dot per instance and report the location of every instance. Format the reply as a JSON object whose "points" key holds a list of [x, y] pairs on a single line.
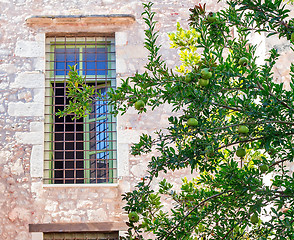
{"points": [[79, 94], [230, 194], [290, 1]]}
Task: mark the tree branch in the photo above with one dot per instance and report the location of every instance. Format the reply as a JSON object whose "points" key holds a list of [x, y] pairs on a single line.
{"points": [[227, 107], [252, 123], [281, 101], [193, 209], [278, 162]]}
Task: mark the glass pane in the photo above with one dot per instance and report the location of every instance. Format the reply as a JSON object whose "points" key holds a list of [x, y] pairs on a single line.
{"points": [[95, 61], [65, 57], [99, 138], [102, 134]]}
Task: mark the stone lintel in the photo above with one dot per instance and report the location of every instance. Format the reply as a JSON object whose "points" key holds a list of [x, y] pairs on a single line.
{"points": [[111, 19], [78, 227]]}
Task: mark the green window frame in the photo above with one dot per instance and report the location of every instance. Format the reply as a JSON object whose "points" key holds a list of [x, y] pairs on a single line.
{"points": [[74, 152]]}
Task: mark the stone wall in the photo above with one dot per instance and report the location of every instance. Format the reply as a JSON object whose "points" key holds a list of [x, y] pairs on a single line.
{"points": [[25, 199]]}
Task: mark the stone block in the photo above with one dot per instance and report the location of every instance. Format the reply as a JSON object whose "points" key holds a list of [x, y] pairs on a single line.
{"points": [[37, 157], [110, 194], [2, 108], [37, 127], [67, 205], [4, 156], [19, 213], [37, 188], [19, 109], [30, 138], [51, 206], [39, 96], [132, 52], [121, 38], [40, 37], [125, 186], [25, 95], [29, 80], [37, 236], [23, 235], [121, 66], [84, 204], [97, 215], [17, 167], [29, 49], [4, 51], [7, 68], [138, 169], [39, 64], [3, 85], [123, 161], [2, 188], [108, 1], [129, 136]]}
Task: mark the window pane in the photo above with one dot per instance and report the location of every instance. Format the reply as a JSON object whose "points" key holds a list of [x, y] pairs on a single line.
{"points": [[65, 57], [101, 125], [95, 61], [99, 138]]}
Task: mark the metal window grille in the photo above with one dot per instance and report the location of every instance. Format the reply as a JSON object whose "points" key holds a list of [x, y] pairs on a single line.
{"points": [[81, 236], [83, 150]]}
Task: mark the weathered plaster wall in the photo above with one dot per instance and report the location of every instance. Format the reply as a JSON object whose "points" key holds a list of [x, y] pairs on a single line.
{"points": [[24, 198]]}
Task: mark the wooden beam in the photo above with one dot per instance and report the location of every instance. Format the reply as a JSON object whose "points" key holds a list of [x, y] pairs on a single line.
{"points": [[78, 227]]}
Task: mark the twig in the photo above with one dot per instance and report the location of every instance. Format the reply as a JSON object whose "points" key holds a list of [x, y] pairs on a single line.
{"points": [[278, 162], [227, 107], [193, 209], [281, 101], [252, 123]]}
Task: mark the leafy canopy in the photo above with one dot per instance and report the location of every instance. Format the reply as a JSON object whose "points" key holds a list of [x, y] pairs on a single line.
{"points": [[244, 131]]}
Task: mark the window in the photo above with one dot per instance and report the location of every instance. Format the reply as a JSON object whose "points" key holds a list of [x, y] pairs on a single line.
{"points": [[83, 150], [81, 236]]}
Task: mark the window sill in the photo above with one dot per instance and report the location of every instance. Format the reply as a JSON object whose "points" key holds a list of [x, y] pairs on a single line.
{"points": [[97, 185], [78, 227]]}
